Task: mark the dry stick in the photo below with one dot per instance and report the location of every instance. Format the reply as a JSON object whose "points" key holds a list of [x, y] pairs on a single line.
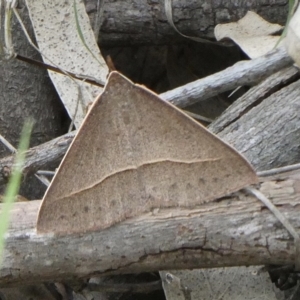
{"points": [[7, 30], [242, 73], [218, 234], [278, 170], [45, 172], [12, 149], [40, 156], [7, 144], [43, 65]]}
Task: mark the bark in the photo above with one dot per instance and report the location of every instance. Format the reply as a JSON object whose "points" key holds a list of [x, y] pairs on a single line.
{"points": [[264, 123], [236, 230], [144, 22]]}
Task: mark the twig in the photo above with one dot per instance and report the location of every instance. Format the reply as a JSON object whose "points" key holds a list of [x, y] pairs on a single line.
{"points": [[278, 170], [45, 172], [12, 149], [40, 156], [7, 144], [87, 79], [198, 117], [242, 73]]}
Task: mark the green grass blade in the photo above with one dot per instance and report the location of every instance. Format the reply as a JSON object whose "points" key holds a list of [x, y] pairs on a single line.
{"points": [[14, 183]]}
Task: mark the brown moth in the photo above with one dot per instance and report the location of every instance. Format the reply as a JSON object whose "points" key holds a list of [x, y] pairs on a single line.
{"points": [[135, 152]]}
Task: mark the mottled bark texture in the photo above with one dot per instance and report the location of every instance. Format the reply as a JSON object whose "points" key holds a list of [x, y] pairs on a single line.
{"points": [[233, 231], [144, 22]]}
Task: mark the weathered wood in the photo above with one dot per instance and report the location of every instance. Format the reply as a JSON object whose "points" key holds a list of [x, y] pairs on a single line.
{"points": [[145, 22], [254, 97], [232, 231], [264, 124], [228, 79]]}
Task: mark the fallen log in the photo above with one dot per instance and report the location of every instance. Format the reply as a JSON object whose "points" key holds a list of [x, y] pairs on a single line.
{"points": [[145, 22], [232, 231]]}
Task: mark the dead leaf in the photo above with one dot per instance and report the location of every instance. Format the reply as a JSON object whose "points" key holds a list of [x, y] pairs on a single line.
{"points": [[252, 33], [62, 47], [135, 152], [220, 283]]}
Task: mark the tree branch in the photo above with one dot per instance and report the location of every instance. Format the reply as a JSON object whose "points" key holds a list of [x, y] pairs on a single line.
{"points": [[235, 230]]}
